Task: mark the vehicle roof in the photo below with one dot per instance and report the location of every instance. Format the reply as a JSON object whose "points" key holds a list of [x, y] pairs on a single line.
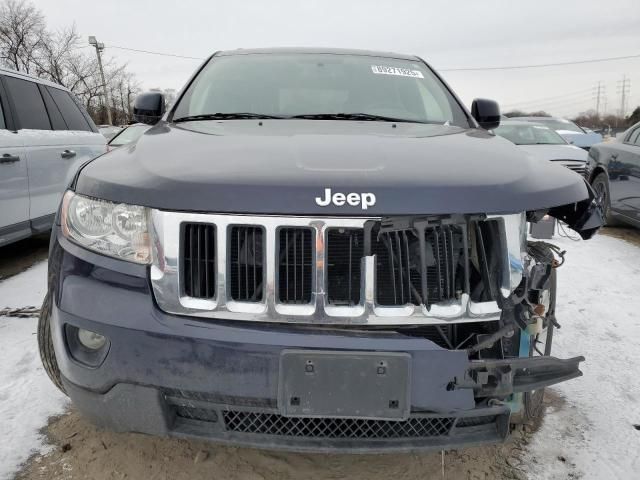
{"points": [[521, 123], [333, 51], [541, 119], [31, 78]]}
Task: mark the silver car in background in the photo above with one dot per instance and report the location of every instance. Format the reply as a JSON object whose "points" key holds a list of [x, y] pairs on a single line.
{"points": [[571, 132], [45, 136], [542, 142]]}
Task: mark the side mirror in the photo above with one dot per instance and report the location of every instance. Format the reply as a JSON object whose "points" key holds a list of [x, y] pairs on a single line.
{"points": [[486, 112], [149, 107]]}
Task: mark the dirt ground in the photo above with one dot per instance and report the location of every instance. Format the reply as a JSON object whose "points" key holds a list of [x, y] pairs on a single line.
{"points": [[19, 256], [82, 451], [631, 235]]}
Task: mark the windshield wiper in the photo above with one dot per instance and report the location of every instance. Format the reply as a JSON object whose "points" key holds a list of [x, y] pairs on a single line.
{"points": [[353, 116], [224, 116], [306, 116]]}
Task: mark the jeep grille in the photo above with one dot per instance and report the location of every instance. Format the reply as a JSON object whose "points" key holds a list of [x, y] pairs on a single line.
{"points": [[331, 270]]}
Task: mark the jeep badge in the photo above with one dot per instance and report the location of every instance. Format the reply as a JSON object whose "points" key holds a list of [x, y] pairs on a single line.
{"points": [[339, 199]]}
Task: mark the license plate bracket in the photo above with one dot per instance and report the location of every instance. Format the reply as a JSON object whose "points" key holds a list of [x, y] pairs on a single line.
{"points": [[344, 384]]}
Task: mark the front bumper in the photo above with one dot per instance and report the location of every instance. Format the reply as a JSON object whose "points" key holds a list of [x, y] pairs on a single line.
{"points": [[171, 375], [158, 411]]}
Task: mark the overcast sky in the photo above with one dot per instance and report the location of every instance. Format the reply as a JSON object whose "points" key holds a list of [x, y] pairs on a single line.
{"points": [[447, 34]]}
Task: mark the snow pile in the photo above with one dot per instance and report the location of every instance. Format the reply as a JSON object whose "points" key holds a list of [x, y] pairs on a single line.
{"points": [[27, 397], [593, 436]]}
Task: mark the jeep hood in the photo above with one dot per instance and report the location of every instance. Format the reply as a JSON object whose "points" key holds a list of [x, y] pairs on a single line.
{"points": [[281, 166]]}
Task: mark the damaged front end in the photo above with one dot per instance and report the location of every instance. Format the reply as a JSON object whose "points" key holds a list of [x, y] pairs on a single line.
{"points": [[394, 321], [509, 360]]}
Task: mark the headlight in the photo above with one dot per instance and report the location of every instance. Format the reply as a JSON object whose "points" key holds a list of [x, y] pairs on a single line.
{"points": [[113, 229]]}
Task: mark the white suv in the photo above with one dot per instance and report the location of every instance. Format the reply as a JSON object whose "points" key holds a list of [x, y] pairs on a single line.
{"points": [[45, 135]]}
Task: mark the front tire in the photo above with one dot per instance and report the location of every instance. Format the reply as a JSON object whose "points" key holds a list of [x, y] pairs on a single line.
{"points": [[601, 186], [45, 344]]}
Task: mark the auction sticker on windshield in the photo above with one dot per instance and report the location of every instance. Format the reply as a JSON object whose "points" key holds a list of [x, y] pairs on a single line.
{"points": [[400, 72]]}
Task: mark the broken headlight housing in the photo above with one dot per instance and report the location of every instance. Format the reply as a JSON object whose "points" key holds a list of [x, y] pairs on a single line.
{"points": [[114, 229]]}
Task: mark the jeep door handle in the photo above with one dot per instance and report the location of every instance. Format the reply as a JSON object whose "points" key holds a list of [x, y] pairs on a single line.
{"points": [[8, 158], [68, 154]]}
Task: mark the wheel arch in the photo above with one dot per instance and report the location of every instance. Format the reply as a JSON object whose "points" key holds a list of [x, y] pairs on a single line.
{"points": [[597, 171]]}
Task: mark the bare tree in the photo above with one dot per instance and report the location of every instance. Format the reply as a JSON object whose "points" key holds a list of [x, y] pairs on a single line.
{"points": [[22, 28], [27, 45], [56, 54], [520, 113], [634, 117]]}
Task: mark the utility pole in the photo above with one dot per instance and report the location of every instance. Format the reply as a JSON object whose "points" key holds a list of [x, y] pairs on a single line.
{"points": [[99, 47], [599, 91], [624, 89]]}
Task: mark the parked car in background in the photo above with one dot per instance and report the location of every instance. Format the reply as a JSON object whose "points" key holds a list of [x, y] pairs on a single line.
{"points": [[571, 132], [109, 131], [544, 143], [613, 168], [128, 134], [45, 135]]}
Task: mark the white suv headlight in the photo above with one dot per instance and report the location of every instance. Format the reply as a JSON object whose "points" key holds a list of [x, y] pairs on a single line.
{"points": [[115, 229]]}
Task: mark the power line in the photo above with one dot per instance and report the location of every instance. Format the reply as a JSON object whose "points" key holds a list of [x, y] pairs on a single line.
{"points": [[155, 53], [586, 104], [540, 65], [457, 69], [577, 93], [559, 105], [571, 99], [553, 103], [576, 101]]}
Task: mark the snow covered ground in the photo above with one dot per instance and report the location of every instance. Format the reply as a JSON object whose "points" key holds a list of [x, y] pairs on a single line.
{"points": [[599, 310], [592, 429], [27, 397]]}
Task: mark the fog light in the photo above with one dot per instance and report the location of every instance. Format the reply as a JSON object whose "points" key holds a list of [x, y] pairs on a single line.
{"points": [[91, 340]]}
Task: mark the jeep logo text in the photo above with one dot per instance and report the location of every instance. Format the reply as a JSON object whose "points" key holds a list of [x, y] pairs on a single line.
{"points": [[366, 200]]}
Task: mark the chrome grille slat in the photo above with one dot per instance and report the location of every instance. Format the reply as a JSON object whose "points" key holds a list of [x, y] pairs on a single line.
{"points": [[294, 281], [246, 257], [198, 260], [167, 269], [344, 277], [438, 261]]}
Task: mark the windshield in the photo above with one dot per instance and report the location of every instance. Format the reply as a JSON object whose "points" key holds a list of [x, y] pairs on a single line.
{"points": [[530, 135], [128, 135], [293, 84], [558, 124]]}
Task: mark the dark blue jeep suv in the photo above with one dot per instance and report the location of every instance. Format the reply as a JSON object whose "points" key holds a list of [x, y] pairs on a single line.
{"points": [[316, 250]]}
